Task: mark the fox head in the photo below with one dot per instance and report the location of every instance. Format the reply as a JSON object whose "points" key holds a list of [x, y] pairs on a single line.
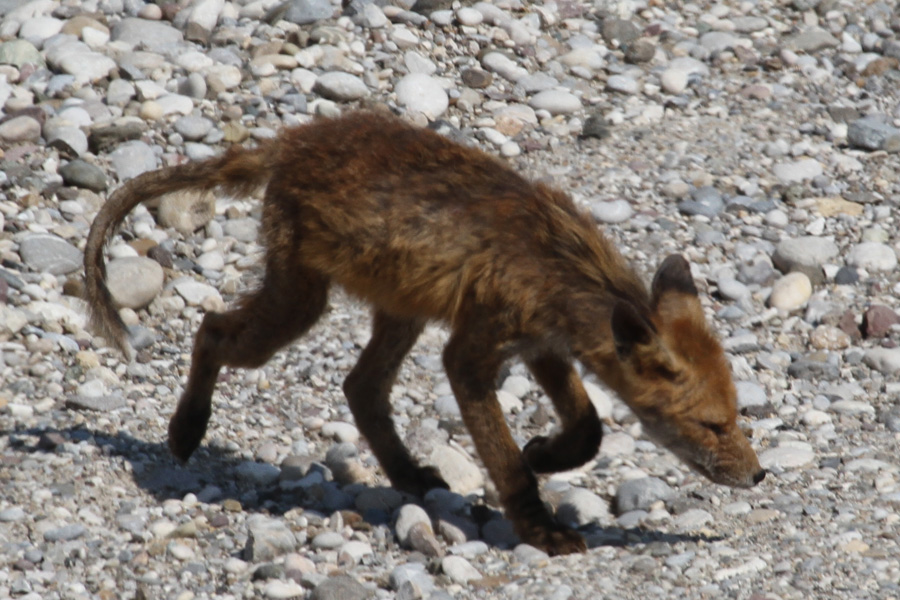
{"points": [[676, 379]]}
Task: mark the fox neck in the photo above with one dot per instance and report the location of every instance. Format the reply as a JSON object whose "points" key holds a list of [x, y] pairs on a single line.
{"points": [[589, 318]]}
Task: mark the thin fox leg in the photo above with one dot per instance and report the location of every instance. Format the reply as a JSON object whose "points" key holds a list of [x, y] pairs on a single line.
{"points": [[579, 439], [368, 388], [287, 304], [472, 368]]}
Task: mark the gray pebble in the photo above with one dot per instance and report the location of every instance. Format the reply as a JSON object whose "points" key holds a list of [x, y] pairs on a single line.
{"points": [[47, 253], [641, 493]]}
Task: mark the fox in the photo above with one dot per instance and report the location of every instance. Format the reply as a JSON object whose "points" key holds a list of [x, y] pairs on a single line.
{"points": [[425, 229]]}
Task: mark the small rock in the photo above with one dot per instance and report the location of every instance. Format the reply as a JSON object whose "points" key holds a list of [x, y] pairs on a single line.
{"points": [[872, 256], [302, 12], [641, 493], [556, 102], [132, 158], [878, 320], [459, 570], [581, 507], [797, 171], [790, 292], [47, 253], [82, 174], [423, 94], [615, 211], [20, 129], [340, 587], [461, 474], [673, 81], [874, 132], [342, 87], [883, 360], [787, 457], [134, 282], [284, 590], [267, 539]]}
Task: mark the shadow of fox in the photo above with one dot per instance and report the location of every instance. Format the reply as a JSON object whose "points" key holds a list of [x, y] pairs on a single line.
{"points": [[426, 229]]}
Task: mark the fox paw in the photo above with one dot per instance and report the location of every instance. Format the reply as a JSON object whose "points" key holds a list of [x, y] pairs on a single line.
{"points": [[418, 480], [185, 434]]}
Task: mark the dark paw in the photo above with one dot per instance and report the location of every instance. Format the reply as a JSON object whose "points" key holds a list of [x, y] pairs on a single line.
{"points": [[418, 480], [185, 434], [554, 539], [554, 454], [537, 454]]}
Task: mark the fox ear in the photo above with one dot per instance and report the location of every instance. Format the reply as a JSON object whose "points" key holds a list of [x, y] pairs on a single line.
{"points": [[673, 275], [630, 329], [638, 343]]}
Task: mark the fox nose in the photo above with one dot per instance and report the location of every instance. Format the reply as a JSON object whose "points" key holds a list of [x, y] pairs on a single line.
{"points": [[759, 476]]}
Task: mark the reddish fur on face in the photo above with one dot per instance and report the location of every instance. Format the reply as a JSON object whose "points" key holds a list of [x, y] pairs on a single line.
{"points": [[425, 229]]}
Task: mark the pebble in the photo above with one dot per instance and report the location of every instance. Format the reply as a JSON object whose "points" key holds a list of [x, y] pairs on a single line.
{"points": [[555, 102], [423, 94], [338, 587], [883, 360], [47, 253], [459, 471], [641, 494], [194, 292], [82, 174], [872, 256], [615, 211], [267, 539], [791, 292], [797, 171], [459, 570], [673, 81], [342, 87], [130, 159], [787, 457], [134, 282], [580, 507], [20, 129]]}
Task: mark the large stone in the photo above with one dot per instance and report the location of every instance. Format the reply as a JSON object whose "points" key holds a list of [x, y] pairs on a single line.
{"points": [[874, 132], [640, 494], [582, 507], [340, 86], [267, 539], [186, 212], [134, 281], [156, 36], [133, 158], [458, 470], [422, 94], [47, 253], [304, 12], [805, 254], [19, 53]]}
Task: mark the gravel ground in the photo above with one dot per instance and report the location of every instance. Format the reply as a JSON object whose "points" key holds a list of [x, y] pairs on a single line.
{"points": [[758, 138]]}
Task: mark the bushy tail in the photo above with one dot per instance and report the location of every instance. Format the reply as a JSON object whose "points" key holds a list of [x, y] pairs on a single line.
{"points": [[239, 171]]}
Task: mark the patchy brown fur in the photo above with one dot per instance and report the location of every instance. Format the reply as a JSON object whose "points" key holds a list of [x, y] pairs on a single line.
{"points": [[425, 229]]}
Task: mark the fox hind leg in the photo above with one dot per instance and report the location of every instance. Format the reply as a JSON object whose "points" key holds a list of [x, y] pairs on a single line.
{"points": [[289, 302]]}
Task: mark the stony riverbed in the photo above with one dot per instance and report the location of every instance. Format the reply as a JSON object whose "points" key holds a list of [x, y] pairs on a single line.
{"points": [[759, 138]]}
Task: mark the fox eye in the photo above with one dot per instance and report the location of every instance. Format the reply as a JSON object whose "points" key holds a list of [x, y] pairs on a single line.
{"points": [[716, 428]]}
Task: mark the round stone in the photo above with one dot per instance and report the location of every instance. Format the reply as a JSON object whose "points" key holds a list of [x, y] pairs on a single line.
{"points": [[673, 81], [872, 256], [339, 86], [20, 129], [422, 94], [47, 253], [615, 211], [790, 292], [556, 102], [134, 282], [82, 174]]}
